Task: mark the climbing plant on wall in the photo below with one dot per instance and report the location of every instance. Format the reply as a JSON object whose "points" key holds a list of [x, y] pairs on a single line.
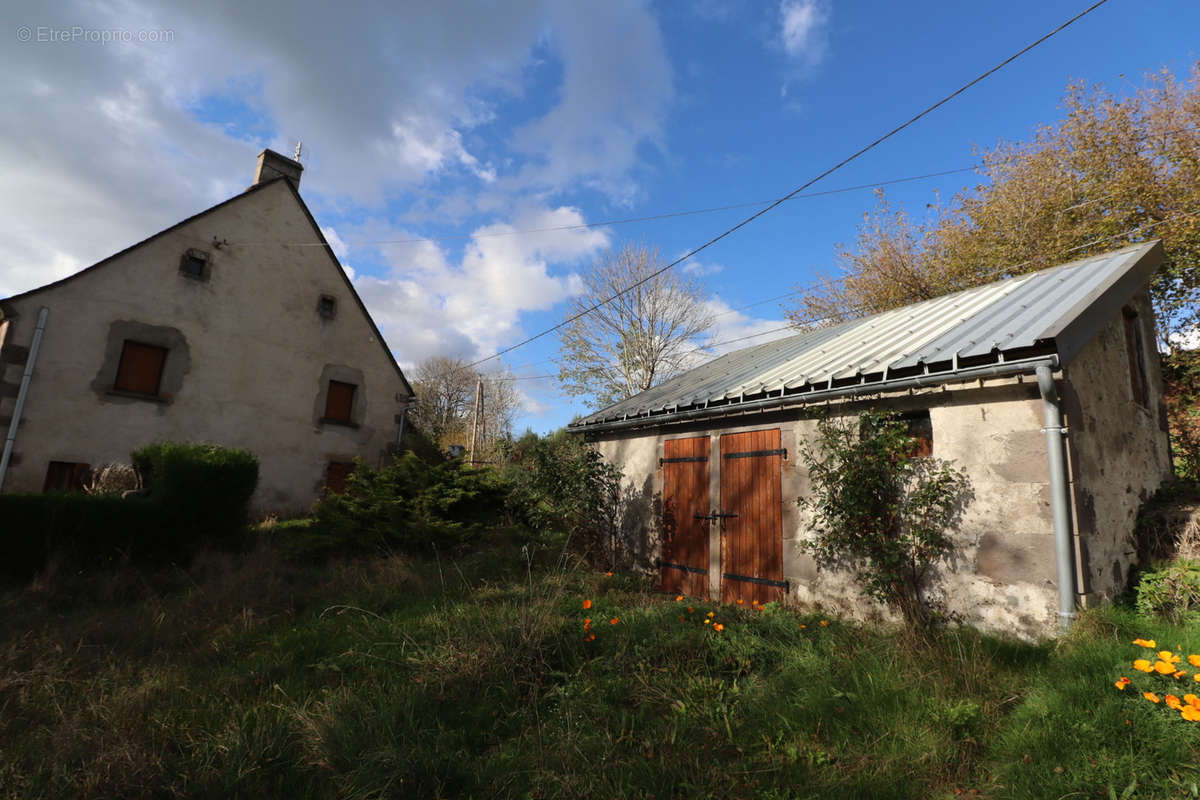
{"points": [[880, 510]]}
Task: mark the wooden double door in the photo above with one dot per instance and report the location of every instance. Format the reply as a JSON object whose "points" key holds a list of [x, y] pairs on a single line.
{"points": [[746, 515]]}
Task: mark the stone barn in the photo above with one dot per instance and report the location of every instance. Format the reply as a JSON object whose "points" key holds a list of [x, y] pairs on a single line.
{"points": [[1045, 388]]}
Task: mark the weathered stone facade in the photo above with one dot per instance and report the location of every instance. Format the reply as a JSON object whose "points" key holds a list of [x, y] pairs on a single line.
{"points": [[249, 355], [1002, 575]]}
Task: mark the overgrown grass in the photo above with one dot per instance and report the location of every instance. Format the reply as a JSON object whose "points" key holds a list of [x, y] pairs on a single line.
{"points": [[250, 676]]}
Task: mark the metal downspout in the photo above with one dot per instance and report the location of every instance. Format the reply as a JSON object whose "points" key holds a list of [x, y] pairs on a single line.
{"points": [[26, 377], [1056, 452]]}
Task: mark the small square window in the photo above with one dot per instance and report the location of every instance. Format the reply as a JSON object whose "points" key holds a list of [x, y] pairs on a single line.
{"points": [[65, 476], [140, 369], [194, 264], [339, 402], [327, 306]]}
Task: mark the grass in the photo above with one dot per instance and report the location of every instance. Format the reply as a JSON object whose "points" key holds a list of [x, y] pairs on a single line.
{"points": [[252, 676]]}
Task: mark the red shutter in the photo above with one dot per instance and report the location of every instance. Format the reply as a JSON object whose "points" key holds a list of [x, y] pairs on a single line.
{"points": [[339, 401], [140, 370]]}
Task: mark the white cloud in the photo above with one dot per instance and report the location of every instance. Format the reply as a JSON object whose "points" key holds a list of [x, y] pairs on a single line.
{"points": [[428, 306], [803, 29], [122, 140], [736, 330]]}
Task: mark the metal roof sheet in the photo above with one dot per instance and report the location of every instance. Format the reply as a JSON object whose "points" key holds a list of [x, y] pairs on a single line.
{"points": [[1016, 313]]}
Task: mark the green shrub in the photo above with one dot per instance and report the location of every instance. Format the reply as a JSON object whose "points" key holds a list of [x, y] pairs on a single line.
{"points": [[412, 506], [81, 528], [1172, 591], [206, 487], [880, 510], [560, 484]]}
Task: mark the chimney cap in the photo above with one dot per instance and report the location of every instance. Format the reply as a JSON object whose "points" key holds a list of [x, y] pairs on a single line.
{"points": [[272, 165]]}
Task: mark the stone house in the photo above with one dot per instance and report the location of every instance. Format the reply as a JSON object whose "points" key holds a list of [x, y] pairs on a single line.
{"points": [[236, 326], [1045, 388]]}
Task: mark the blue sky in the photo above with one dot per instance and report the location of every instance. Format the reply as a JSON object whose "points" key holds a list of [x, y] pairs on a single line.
{"points": [[467, 123]]}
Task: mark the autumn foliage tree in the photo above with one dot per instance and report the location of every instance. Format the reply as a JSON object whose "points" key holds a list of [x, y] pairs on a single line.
{"points": [[1114, 170]]}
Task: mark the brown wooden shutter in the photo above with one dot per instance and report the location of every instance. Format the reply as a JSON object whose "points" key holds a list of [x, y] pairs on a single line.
{"points": [[752, 528], [336, 475], [65, 476], [684, 563], [339, 401], [140, 370]]}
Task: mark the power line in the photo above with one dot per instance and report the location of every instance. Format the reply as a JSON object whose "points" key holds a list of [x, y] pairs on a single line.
{"points": [[801, 188]]}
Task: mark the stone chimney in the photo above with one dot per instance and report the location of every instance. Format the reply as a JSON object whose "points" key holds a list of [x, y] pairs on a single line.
{"points": [[271, 165]]}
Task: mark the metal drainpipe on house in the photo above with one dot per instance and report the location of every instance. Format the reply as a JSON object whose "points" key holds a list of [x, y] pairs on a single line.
{"points": [[1056, 453], [26, 377]]}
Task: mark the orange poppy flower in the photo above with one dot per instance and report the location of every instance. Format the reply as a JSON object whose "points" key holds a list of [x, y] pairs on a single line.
{"points": [[1142, 665], [1178, 675], [1146, 643], [739, 601], [587, 604], [1191, 699], [718, 627], [1122, 683], [1194, 660], [710, 615], [1173, 702], [608, 574], [592, 638], [1190, 713], [1164, 667], [803, 626], [824, 623], [681, 619], [691, 610], [1168, 656], [678, 598], [614, 621], [1151, 696]]}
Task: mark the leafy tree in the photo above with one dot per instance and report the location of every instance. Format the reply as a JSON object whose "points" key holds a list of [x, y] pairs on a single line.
{"points": [[639, 339], [881, 511], [1114, 170], [445, 389]]}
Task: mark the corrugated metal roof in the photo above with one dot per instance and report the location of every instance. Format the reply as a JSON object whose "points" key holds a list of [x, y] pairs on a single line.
{"points": [[1016, 314]]}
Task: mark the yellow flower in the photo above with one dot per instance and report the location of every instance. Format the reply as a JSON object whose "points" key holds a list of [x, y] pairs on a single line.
{"points": [[1151, 696], [1190, 713], [1191, 699], [1173, 702], [1146, 643], [707, 621], [1164, 667], [1194, 660], [711, 614], [1143, 665], [1178, 675], [1168, 656]]}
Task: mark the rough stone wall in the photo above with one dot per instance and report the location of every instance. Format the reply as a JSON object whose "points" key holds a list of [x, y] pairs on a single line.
{"points": [[1119, 449], [256, 347], [1002, 574]]}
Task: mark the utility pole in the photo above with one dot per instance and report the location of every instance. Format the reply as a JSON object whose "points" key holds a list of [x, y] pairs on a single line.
{"points": [[477, 415]]}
